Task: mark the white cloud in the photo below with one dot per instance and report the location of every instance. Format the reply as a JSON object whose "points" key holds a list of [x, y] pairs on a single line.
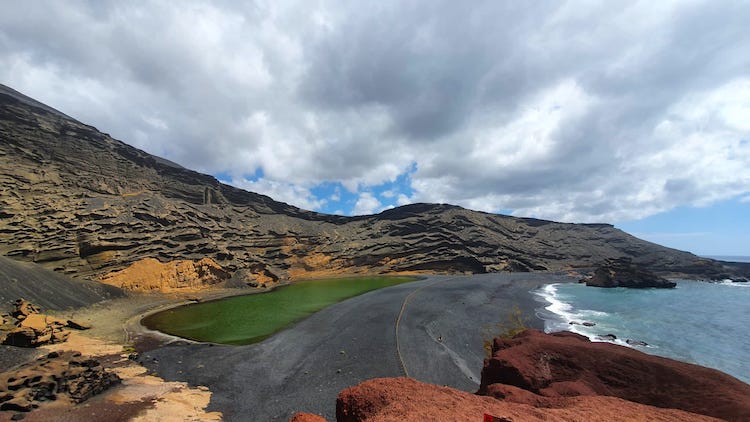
{"points": [[388, 194], [281, 191], [403, 200], [575, 112], [366, 204]]}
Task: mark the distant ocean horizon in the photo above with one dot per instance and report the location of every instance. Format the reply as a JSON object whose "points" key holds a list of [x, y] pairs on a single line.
{"points": [[696, 322], [730, 258]]}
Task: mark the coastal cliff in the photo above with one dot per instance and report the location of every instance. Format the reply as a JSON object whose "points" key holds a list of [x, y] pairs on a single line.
{"points": [[79, 202]]}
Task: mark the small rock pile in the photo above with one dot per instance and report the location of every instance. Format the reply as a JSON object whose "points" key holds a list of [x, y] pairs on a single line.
{"points": [[31, 328], [65, 375]]}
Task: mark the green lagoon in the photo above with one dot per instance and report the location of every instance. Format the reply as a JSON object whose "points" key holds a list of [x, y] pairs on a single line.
{"points": [[251, 318]]}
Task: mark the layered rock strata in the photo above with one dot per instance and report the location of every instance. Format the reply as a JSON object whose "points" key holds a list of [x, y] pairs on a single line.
{"points": [[79, 202]]}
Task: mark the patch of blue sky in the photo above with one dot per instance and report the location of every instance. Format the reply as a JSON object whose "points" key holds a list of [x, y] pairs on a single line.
{"points": [[225, 177], [339, 200], [722, 228]]}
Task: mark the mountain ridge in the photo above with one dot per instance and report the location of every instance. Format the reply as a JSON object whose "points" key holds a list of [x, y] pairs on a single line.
{"points": [[80, 202]]}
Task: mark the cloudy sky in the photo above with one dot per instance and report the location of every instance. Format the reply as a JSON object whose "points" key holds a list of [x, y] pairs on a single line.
{"points": [[633, 113]]}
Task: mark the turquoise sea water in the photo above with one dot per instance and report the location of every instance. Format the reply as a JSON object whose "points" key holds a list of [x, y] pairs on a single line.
{"points": [[697, 322]]}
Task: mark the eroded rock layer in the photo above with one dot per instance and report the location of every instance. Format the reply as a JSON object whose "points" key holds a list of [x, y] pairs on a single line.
{"points": [[77, 201]]}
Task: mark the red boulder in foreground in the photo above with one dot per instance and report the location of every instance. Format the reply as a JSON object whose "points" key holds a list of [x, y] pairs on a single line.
{"points": [[534, 364], [404, 399]]}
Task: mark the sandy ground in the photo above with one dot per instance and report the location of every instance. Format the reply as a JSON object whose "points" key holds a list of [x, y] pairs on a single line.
{"points": [[113, 338], [443, 321]]}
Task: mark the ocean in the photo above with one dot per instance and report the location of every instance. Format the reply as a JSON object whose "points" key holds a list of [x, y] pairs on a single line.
{"points": [[696, 322]]}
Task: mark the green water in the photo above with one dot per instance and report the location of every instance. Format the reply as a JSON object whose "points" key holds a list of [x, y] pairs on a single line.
{"points": [[251, 318]]}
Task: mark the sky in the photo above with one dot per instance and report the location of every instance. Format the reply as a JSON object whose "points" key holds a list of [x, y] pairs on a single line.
{"points": [[635, 113]]}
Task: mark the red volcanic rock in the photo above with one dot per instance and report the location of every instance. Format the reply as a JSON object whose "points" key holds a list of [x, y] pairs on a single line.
{"points": [[404, 399], [306, 417], [567, 364]]}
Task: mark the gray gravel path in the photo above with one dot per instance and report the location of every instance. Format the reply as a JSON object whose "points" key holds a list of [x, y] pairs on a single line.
{"points": [[304, 367]]}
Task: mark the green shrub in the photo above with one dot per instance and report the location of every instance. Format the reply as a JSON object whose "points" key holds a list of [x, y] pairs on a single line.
{"points": [[514, 324]]}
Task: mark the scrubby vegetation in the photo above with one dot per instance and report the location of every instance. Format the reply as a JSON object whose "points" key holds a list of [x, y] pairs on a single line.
{"points": [[513, 324]]}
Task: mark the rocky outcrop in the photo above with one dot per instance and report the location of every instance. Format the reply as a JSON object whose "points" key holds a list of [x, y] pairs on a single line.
{"points": [[404, 399], [534, 366], [81, 203], [32, 329], [151, 275], [558, 377], [57, 375], [624, 273]]}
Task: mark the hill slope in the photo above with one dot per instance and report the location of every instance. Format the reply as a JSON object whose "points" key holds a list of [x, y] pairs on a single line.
{"points": [[79, 202]]}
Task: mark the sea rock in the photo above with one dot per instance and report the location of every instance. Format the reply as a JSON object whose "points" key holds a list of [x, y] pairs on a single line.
{"points": [[585, 323], [567, 364], [65, 374], [636, 342], [624, 273], [405, 399], [607, 337]]}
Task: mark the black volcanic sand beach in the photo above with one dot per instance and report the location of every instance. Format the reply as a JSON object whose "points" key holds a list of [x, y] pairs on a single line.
{"points": [[441, 331]]}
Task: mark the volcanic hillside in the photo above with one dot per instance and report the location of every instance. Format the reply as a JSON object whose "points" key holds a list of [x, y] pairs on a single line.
{"points": [[79, 202]]}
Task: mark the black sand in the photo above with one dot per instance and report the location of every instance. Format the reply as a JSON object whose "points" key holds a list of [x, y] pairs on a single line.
{"points": [[440, 338], [48, 289]]}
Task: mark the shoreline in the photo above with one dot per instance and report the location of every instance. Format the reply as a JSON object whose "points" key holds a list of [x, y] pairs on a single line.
{"points": [[614, 318], [338, 347], [440, 335]]}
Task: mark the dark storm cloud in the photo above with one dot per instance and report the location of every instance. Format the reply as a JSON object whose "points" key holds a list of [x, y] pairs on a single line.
{"points": [[429, 63]]}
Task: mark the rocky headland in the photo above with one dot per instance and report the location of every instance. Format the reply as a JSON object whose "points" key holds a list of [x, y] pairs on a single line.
{"points": [[622, 272]]}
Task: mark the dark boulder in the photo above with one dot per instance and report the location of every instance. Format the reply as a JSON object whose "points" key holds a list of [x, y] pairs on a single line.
{"points": [[607, 337], [622, 272], [59, 374]]}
